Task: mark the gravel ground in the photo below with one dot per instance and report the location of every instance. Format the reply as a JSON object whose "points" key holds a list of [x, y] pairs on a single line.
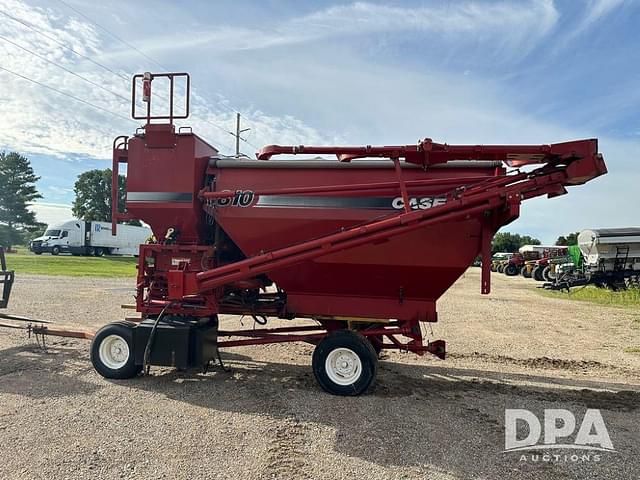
{"points": [[267, 418]]}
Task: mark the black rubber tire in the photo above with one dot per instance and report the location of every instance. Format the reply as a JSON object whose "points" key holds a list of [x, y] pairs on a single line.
{"points": [[55, 250], [546, 274], [124, 330], [38, 253], [98, 252], [500, 268], [525, 272], [536, 273], [511, 270], [359, 345], [376, 340]]}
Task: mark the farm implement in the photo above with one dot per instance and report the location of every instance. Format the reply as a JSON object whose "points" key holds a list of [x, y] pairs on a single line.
{"points": [[606, 258], [361, 244]]}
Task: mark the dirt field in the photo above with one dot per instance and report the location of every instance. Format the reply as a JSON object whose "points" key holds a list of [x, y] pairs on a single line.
{"points": [[268, 419]]}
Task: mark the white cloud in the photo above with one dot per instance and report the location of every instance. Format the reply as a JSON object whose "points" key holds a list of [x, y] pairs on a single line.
{"points": [[597, 10], [342, 97], [38, 120], [59, 190], [51, 213], [512, 28]]}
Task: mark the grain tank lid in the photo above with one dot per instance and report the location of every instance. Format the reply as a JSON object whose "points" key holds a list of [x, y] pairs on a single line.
{"points": [[609, 235], [233, 162]]}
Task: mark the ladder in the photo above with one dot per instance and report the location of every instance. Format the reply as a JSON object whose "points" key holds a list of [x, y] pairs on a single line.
{"points": [[622, 255]]}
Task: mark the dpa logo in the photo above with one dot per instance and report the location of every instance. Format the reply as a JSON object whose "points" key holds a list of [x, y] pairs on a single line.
{"points": [[554, 430]]}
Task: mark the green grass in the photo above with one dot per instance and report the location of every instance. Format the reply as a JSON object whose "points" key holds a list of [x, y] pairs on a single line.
{"points": [[45, 264], [625, 298]]}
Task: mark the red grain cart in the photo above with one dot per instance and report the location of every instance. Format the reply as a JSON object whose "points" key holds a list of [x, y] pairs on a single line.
{"points": [[361, 244]]}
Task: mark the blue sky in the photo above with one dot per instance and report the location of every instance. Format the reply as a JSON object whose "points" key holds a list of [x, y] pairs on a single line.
{"points": [[530, 71]]}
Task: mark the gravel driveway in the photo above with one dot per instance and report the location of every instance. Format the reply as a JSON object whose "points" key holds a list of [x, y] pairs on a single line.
{"points": [[267, 418]]}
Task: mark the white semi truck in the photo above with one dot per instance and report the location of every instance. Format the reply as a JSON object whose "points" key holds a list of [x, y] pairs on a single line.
{"points": [[79, 237]]}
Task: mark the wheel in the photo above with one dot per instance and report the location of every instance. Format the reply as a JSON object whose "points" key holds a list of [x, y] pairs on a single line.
{"points": [[345, 363], [375, 340], [536, 273], [547, 274], [38, 253], [55, 250], [98, 252], [112, 353], [500, 268], [511, 270], [526, 273]]}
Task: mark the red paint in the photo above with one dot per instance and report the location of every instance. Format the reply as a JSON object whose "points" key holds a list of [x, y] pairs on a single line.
{"points": [[338, 239]]}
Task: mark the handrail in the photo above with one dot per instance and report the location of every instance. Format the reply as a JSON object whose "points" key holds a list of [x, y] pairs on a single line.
{"points": [[120, 144], [147, 79], [426, 152]]}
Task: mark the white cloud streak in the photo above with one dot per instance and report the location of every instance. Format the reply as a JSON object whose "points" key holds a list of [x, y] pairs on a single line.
{"points": [[38, 120], [365, 102], [51, 213], [512, 28]]}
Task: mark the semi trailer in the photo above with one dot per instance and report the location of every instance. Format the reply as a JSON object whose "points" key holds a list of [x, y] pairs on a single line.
{"points": [[80, 237], [361, 243]]}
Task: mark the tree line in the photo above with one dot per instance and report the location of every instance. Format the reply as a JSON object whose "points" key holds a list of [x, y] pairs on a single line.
{"points": [[18, 191], [511, 242], [92, 202]]}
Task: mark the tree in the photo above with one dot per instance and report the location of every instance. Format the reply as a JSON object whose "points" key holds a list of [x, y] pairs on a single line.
{"points": [[93, 196], [17, 191], [511, 242], [570, 239]]}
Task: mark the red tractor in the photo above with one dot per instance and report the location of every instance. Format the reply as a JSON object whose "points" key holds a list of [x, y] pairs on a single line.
{"points": [[517, 262], [539, 269]]}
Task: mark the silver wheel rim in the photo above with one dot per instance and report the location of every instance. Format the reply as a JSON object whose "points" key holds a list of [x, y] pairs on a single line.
{"points": [[114, 352], [343, 366]]}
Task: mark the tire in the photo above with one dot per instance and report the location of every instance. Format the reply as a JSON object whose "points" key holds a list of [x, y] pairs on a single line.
{"points": [[536, 273], [375, 340], [358, 363], [55, 250], [112, 351], [547, 275], [98, 252], [38, 253], [500, 268], [526, 273], [511, 270]]}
